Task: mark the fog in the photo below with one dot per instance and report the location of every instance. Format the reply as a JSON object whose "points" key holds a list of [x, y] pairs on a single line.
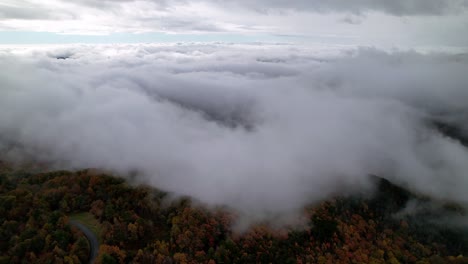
{"points": [[263, 129]]}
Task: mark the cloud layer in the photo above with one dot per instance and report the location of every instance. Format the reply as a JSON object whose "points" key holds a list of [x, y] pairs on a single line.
{"points": [[398, 7], [264, 129], [25, 9], [356, 22]]}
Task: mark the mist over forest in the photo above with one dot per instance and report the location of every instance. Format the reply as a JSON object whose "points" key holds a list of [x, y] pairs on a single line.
{"points": [[242, 131], [264, 129]]}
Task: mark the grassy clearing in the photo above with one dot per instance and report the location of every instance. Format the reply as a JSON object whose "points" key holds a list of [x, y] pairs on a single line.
{"points": [[89, 221]]}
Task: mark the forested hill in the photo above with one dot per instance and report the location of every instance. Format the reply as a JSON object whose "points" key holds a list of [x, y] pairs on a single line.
{"points": [[139, 225]]}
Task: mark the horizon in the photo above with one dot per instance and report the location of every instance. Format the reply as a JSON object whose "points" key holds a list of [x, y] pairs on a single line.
{"points": [[416, 23]]}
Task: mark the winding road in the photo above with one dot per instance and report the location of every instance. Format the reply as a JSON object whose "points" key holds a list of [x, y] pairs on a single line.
{"points": [[93, 241]]}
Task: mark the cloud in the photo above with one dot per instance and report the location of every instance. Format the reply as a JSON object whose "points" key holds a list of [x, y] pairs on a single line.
{"points": [[353, 20], [397, 7], [263, 129], [367, 22], [25, 10], [106, 17], [21, 13]]}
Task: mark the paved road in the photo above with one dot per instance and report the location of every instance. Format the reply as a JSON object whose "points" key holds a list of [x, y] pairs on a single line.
{"points": [[93, 241]]}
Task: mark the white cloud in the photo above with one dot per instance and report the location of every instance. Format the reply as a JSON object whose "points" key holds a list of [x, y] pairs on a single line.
{"points": [[410, 23], [261, 128]]}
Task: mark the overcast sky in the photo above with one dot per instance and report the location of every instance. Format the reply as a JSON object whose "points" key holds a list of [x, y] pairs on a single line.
{"points": [[396, 23]]}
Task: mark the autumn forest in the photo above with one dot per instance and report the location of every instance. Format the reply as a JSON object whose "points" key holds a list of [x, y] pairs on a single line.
{"points": [[139, 224]]}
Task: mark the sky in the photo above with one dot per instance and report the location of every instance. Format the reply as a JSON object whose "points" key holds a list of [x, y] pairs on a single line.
{"points": [[379, 23]]}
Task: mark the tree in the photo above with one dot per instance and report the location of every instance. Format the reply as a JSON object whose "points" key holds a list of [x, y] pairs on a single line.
{"points": [[81, 249]]}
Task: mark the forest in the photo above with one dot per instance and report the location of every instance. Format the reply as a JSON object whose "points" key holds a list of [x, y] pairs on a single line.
{"points": [[140, 224]]}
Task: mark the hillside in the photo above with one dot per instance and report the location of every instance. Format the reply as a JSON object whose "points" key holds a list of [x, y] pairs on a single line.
{"points": [[139, 224]]}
